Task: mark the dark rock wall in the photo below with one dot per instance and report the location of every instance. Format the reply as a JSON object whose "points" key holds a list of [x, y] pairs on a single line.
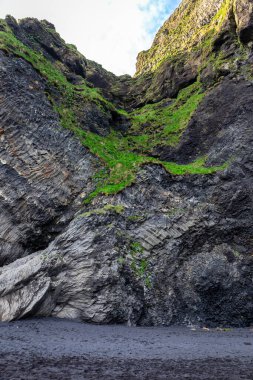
{"points": [[168, 249], [43, 167]]}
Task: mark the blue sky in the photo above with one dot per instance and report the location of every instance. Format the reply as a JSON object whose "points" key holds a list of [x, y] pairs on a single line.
{"points": [[111, 32], [157, 11]]}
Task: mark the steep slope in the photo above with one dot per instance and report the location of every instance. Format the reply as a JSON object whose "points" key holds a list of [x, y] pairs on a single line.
{"points": [[197, 34], [190, 25], [129, 200]]}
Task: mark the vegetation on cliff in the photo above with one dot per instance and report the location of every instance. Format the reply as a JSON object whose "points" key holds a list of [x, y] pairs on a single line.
{"points": [[192, 26], [172, 248], [152, 125]]}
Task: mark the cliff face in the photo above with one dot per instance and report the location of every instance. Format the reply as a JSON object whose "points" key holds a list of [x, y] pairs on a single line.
{"points": [[192, 25], [187, 27], [129, 200]]}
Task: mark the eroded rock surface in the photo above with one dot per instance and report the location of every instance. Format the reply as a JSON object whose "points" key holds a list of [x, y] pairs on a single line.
{"points": [[167, 249], [135, 266], [43, 167]]}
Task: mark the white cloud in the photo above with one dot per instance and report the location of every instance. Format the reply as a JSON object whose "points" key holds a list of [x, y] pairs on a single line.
{"points": [[111, 32]]}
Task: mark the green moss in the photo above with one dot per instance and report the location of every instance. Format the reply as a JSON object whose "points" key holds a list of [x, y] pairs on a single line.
{"points": [[121, 260], [139, 264], [55, 78], [118, 158], [10, 43], [196, 167], [180, 113], [123, 164], [72, 47], [136, 247], [175, 211], [181, 34], [164, 124], [118, 209], [136, 218]]}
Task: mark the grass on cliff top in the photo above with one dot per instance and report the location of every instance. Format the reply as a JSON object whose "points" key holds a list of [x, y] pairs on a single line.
{"points": [[118, 153]]}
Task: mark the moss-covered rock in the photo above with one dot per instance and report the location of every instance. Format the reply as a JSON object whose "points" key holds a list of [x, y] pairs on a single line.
{"points": [[191, 24]]}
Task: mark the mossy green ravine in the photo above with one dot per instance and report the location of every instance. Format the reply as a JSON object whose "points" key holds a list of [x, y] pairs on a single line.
{"points": [[164, 124], [121, 156], [123, 164]]}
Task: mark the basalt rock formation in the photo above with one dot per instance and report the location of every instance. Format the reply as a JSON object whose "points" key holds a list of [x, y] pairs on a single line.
{"points": [[129, 200]]}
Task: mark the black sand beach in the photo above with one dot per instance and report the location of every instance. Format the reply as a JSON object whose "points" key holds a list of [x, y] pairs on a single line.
{"points": [[61, 349]]}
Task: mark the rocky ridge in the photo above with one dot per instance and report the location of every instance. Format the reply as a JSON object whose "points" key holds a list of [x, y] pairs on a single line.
{"points": [[129, 200]]}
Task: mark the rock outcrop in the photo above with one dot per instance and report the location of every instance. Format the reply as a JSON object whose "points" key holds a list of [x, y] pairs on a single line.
{"points": [[129, 200]]}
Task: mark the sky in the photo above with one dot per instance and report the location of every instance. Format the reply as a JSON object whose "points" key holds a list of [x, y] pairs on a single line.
{"points": [[110, 32]]}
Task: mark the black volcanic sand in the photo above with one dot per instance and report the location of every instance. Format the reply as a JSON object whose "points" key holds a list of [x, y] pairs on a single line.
{"points": [[61, 349]]}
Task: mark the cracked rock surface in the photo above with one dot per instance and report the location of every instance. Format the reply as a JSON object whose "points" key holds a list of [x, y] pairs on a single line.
{"points": [[169, 249]]}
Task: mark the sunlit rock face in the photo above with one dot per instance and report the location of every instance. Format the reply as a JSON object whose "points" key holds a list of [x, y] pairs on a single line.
{"points": [[185, 28], [129, 200]]}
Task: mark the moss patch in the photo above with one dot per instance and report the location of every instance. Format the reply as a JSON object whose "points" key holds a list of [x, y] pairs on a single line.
{"points": [[118, 209], [123, 163], [164, 123], [139, 264]]}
